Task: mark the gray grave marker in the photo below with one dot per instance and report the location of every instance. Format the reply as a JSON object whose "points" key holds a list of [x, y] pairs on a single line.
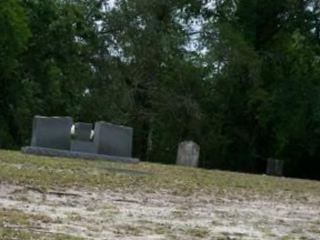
{"points": [[188, 154], [274, 167], [52, 132], [113, 139], [83, 146], [82, 141], [82, 131]]}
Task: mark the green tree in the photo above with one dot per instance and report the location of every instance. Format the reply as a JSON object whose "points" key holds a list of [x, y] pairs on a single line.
{"points": [[265, 80], [148, 82], [13, 40], [58, 62]]}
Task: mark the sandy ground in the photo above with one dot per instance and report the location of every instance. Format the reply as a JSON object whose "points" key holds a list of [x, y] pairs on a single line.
{"points": [[125, 214]]}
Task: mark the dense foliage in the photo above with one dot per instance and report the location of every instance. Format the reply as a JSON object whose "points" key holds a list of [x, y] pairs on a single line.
{"points": [[240, 77]]}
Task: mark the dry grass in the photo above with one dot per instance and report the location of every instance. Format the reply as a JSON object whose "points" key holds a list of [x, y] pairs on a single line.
{"points": [[16, 224]]}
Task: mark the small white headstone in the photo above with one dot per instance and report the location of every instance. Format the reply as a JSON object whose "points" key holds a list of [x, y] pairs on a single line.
{"points": [[188, 154]]}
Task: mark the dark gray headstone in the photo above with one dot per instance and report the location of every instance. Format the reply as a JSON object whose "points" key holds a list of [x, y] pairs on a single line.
{"points": [[113, 139], [188, 154], [274, 167], [83, 146], [82, 131], [52, 132]]}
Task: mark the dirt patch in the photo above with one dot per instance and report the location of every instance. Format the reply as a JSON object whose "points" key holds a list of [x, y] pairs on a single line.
{"points": [[125, 214]]}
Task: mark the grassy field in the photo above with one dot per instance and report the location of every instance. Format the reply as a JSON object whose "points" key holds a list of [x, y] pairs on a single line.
{"points": [[81, 199]]}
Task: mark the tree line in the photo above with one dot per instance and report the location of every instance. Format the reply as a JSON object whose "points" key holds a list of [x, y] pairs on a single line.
{"points": [[239, 77]]}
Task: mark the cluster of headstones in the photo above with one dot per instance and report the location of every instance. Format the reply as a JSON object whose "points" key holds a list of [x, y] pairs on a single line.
{"points": [[102, 138]]}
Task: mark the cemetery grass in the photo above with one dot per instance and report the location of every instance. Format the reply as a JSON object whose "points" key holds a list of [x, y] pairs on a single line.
{"points": [[58, 198], [46, 172]]}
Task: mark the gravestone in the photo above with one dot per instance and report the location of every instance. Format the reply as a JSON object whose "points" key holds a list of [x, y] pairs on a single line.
{"points": [[188, 154], [82, 131], [274, 167], [82, 138], [83, 146], [52, 132], [111, 139]]}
